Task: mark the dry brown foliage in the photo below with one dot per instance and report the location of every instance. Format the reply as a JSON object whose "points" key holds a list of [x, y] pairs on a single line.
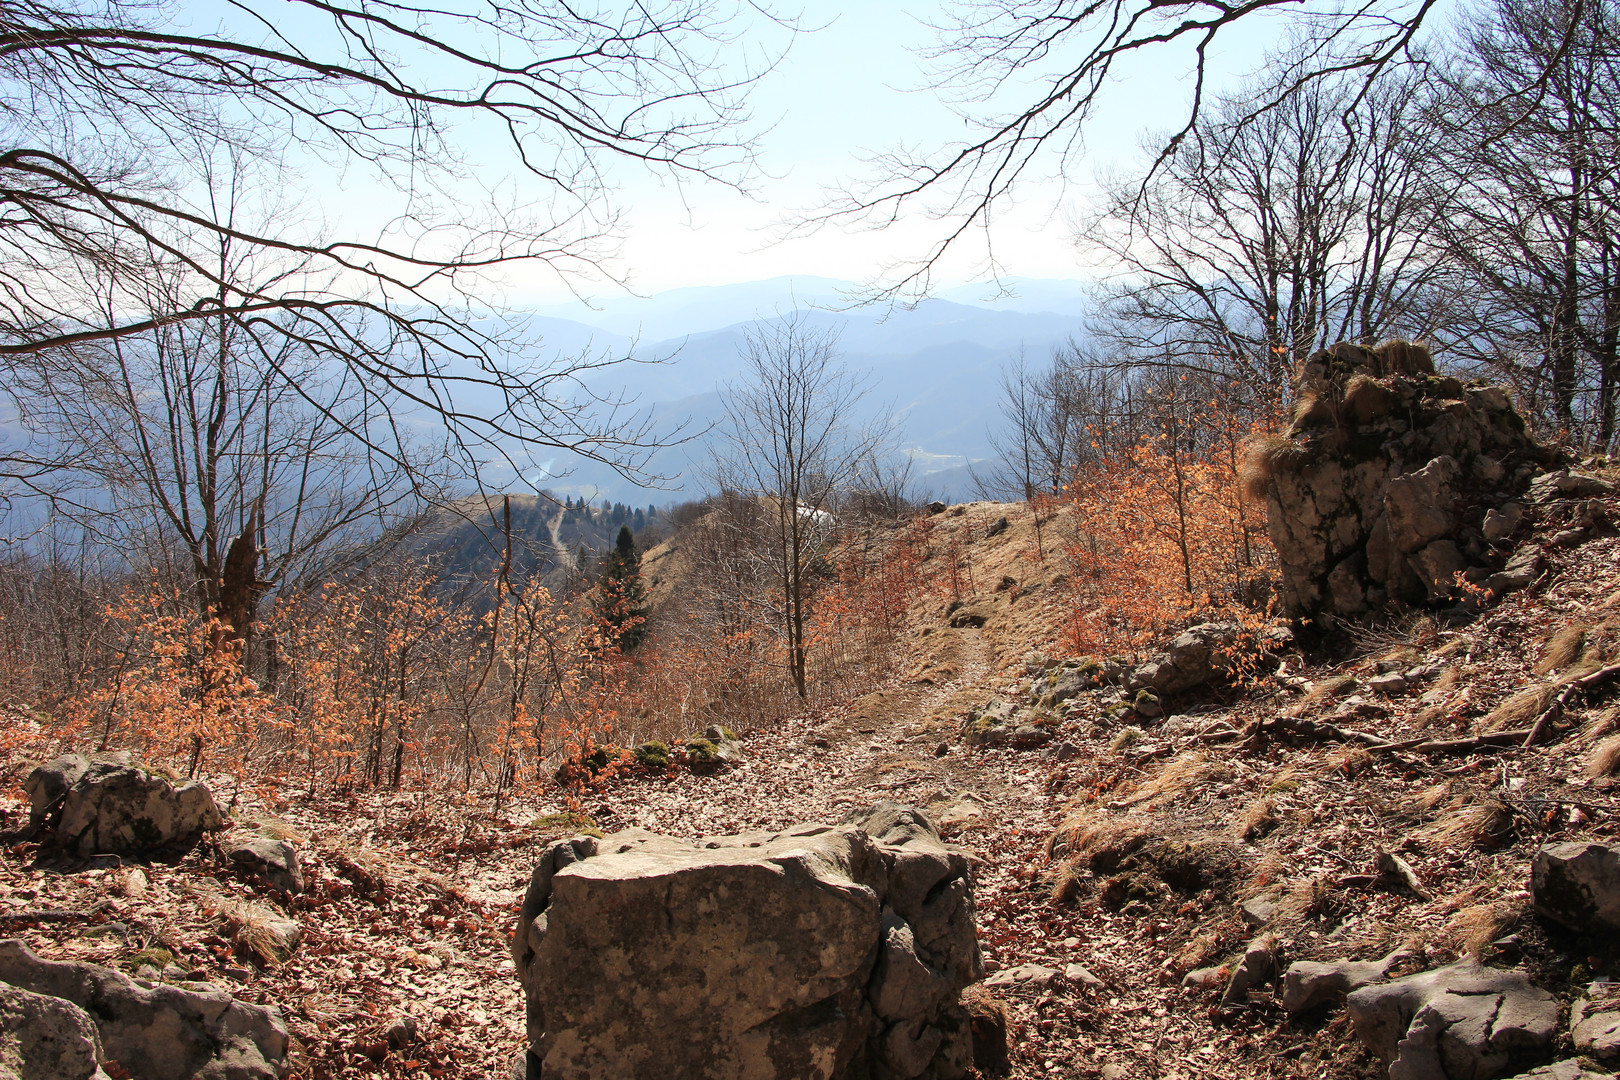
{"points": [[1324, 691], [1604, 760], [1179, 776], [1562, 649], [1486, 824], [1474, 927], [1258, 819], [1100, 841], [1520, 708]]}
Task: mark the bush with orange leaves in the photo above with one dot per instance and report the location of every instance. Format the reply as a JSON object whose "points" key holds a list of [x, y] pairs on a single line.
{"points": [[1159, 535]]}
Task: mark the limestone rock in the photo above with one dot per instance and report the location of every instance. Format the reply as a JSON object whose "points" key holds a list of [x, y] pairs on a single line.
{"points": [[1523, 567], [1564, 484], [1373, 491], [1462, 1022], [106, 804], [159, 1032], [1191, 660], [1308, 984], [1594, 1022], [1578, 884], [1033, 976], [1257, 968], [1502, 522], [268, 859], [46, 1038], [820, 952], [1564, 1070], [1005, 723]]}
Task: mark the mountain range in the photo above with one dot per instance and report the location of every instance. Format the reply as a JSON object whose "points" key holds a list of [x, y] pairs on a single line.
{"points": [[936, 366]]}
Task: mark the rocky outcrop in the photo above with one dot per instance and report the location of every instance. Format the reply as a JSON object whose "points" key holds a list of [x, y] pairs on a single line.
{"points": [[1308, 984], [106, 804], [1380, 489], [820, 952], [1463, 1022], [1578, 884], [45, 1038], [1194, 658], [157, 1031], [1594, 1022]]}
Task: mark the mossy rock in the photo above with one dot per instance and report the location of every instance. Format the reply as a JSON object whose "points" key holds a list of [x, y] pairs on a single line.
{"points": [[569, 821], [155, 956], [701, 751], [653, 755]]}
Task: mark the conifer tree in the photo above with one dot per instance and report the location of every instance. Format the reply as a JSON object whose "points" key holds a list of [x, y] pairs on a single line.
{"points": [[620, 601]]}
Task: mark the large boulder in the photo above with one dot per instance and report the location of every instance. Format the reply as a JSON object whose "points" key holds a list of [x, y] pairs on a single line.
{"points": [[45, 1038], [106, 804], [820, 952], [1195, 657], [1379, 490], [1462, 1022], [1578, 884], [157, 1031]]}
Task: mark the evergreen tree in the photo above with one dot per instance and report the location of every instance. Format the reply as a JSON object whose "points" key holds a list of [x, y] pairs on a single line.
{"points": [[640, 521], [621, 598]]}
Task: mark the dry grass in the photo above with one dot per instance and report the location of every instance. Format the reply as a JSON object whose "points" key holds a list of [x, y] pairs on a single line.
{"points": [[1181, 775], [276, 828], [1199, 952], [1604, 760], [1473, 928], [1098, 841], [252, 928], [1486, 824], [1304, 899], [1264, 458], [1258, 819], [1520, 709], [1430, 797], [1325, 691], [1562, 649]]}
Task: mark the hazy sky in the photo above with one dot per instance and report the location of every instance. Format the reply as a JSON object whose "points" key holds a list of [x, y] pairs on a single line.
{"points": [[847, 87]]}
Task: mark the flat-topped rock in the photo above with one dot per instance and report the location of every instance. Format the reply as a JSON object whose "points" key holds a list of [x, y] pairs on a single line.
{"points": [[824, 951]]}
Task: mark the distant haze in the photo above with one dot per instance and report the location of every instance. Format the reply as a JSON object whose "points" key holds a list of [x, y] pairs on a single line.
{"points": [[938, 365]]}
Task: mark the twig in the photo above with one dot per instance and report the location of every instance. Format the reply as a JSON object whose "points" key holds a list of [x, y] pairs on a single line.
{"points": [[1556, 709]]}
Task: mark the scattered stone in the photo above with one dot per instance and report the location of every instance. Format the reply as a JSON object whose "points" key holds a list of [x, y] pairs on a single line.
{"points": [[1391, 685], [727, 746], [46, 1038], [107, 805], [936, 507], [1525, 565], [159, 1032], [1257, 968], [999, 526], [1568, 485], [1578, 884], [268, 859], [1081, 976], [1006, 723], [1502, 523], [1564, 1070], [1067, 751], [1307, 984], [1191, 660], [754, 954], [1257, 910], [401, 1033], [1594, 1021], [942, 750], [1462, 1022], [1027, 976], [1204, 978]]}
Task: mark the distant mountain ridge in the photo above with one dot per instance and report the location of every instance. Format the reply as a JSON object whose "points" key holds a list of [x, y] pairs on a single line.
{"points": [[938, 364]]}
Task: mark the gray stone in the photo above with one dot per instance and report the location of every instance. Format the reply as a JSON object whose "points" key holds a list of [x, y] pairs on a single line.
{"points": [[1257, 969], [1257, 910], [107, 805], [1462, 1022], [1594, 1021], [273, 861], [1080, 975], [157, 1031], [1028, 976], [1525, 565], [1502, 522], [1307, 984], [1000, 723], [1393, 683], [1564, 1070], [727, 750], [46, 1038], [1578, 884], [1568, 485], [1418, 505], [1193, 658], [823, 951], [1437, 566]]}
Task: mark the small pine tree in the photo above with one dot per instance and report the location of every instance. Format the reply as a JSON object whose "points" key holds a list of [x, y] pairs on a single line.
{"points": [[620, 600], [640, 521]]}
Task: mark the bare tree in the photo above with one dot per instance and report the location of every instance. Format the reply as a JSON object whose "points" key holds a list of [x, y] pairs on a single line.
{"points": [[105, 108], [1028, 75], [1533, 224], [1264, 238], [794, 442]]}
